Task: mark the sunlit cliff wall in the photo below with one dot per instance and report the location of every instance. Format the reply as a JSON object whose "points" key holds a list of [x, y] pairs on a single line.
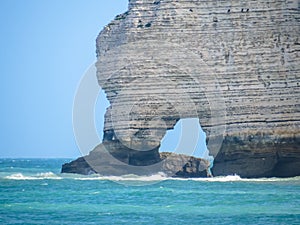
{"points": [[233, 64]]}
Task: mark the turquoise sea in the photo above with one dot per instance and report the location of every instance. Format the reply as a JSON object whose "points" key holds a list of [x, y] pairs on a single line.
{"points": [[32, 191]]}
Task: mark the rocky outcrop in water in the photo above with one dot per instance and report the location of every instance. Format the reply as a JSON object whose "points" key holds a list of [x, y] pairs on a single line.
{"points": [[233, 64], [127, 161]]}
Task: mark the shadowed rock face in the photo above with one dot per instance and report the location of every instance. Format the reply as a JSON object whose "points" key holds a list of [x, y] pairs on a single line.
{"points": [[233, 64], [127, 161]]}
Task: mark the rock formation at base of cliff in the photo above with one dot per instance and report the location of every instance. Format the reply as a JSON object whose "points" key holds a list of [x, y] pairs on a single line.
{"points": [[233, 64], [127, 161]]}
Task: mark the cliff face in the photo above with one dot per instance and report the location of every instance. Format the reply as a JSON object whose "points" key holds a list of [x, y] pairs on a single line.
{"points": [[233, 64]]}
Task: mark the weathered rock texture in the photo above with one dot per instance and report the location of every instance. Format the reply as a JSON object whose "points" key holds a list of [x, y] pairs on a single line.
{"points": [[233, 64], [127, 162]]}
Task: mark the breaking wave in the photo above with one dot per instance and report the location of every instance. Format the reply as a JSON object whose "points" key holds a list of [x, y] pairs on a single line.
{"points": [[39, 176], [131, 178]]}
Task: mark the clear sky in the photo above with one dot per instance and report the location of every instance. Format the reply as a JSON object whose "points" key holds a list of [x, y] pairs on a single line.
{"points": [[45, 48]]}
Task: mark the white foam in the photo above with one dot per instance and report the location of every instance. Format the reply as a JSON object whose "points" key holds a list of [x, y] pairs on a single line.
{"points": [[19, 176], [153, 178], [39, 176], [129, 177], [272, 179], [229, 178], [237, 178]]}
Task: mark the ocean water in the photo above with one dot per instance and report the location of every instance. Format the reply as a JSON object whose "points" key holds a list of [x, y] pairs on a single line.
{"points": [[32, 191]]}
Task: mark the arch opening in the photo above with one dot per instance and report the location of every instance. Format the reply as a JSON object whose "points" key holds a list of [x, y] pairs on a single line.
{"points": [[187, 137]]}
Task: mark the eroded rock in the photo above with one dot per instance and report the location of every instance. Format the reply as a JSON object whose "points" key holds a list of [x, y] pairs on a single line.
{"points": [[233, 64]]}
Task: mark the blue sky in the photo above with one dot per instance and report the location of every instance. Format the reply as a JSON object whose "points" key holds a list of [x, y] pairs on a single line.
{"points": [[46, 46]]}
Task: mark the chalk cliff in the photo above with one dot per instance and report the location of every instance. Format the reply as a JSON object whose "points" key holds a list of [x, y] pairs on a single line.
{"points": [[233, 64]]}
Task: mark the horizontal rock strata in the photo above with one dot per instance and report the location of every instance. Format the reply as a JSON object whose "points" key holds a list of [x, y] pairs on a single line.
{"points": [[233, 64]]}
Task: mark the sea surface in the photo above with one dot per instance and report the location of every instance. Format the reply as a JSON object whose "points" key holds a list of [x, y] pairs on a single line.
{"points": [[32, 191]]}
